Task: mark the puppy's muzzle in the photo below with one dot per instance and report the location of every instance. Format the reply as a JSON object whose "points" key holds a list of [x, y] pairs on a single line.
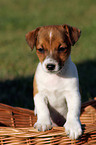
{"points": [[50, 67]]}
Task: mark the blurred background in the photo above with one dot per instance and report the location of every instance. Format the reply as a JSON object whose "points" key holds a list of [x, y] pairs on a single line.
{"points": [[18, 62]]}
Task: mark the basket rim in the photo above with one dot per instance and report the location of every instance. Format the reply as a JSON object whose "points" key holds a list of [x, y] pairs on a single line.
{"points": [[31, 132], [26, 110]]}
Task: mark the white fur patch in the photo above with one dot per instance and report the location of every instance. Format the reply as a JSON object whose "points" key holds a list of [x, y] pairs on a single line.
{"points": [[62, 92], [50, 36]]}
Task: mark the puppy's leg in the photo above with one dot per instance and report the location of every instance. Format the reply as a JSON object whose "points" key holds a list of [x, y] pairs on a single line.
{"points": [[43, 117], [73, 125]]}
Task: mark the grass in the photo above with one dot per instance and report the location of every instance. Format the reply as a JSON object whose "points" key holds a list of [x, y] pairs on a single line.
{"points": [[18, 63]]}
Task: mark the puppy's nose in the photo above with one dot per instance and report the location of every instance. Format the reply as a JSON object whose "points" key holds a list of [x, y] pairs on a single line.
{"points": [[50, 66]]}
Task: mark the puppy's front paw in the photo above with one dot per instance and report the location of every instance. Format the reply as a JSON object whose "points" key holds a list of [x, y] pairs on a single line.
{"points": [[73, 129], [42, 126]]}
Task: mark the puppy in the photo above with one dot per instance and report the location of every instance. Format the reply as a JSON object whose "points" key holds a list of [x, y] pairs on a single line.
{"points": [[56, 86]]}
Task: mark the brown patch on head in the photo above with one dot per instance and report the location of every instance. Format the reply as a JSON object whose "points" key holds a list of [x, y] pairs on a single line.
{"points": [[72, 33], [31, 37], [54, 41]]}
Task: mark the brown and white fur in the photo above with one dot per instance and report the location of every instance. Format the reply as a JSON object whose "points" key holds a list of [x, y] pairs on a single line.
{"points": [[56, 86]]}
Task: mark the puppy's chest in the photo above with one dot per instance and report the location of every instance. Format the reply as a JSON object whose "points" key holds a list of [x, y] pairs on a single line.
{"points": [[51, 83], [52, 87], [55, 98]]}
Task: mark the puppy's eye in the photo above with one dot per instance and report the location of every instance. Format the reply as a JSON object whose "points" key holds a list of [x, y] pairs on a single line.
{"points": [[41, 50], [62, 49]]}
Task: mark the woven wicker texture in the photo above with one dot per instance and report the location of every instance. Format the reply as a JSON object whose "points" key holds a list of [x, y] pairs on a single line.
{"points": [[16, 127]]}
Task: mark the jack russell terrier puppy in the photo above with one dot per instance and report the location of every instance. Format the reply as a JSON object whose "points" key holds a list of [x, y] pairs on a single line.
{"points": [[56, 85]]}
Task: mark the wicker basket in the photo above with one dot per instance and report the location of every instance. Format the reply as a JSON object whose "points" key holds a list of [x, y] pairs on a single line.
{"points": [[16, 127]]}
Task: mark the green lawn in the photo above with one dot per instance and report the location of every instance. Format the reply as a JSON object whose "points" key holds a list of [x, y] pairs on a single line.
{"points": [[18, 62]]}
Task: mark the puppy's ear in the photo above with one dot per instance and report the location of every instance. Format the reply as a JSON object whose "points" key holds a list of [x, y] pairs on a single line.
{"points": [[31, 37], [72, 33]]}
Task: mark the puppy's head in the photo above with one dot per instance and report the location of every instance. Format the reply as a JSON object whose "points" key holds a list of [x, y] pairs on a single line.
{"points": [[53, 44]]}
